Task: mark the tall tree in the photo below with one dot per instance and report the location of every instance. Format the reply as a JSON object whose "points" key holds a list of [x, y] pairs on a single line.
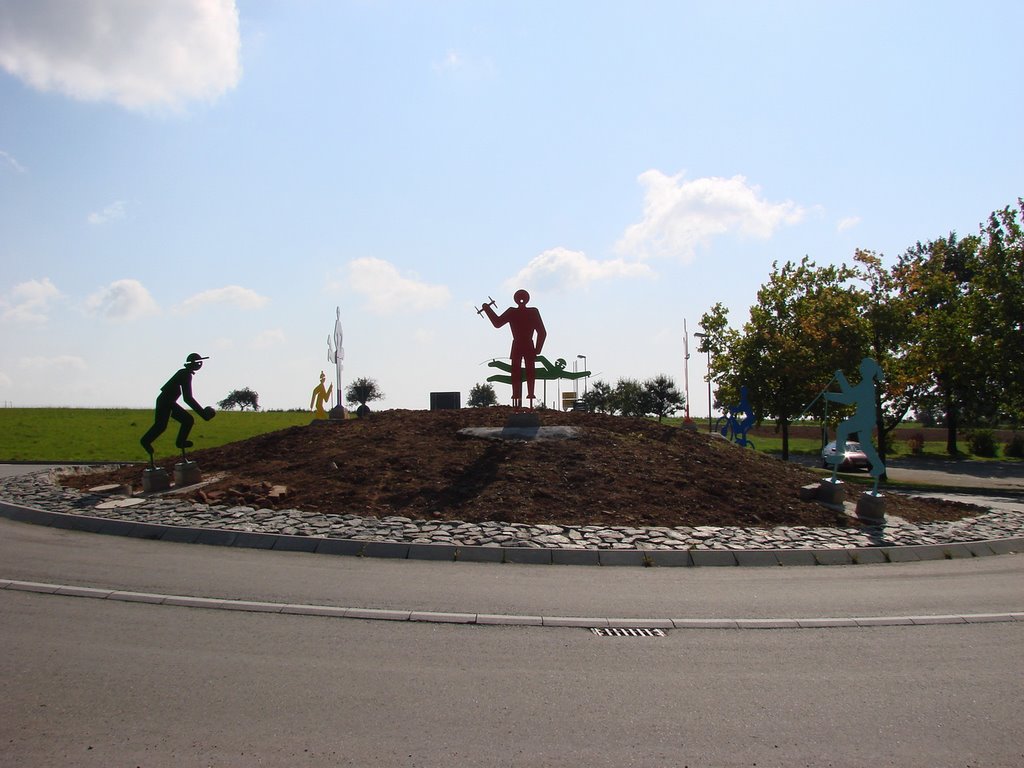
{"points": [[630, 398], [888, 316], [997, 306], [806, 325], [936, 278]]}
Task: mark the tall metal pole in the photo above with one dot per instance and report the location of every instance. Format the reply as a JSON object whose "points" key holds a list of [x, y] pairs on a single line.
{"points": [[686, 370]]}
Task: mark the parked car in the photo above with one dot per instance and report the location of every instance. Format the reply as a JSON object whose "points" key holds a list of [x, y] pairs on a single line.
{"points": [[854, 458]]}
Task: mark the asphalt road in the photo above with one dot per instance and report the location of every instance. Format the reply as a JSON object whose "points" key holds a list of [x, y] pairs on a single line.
{"points": [[94, 682], [91, 682]]}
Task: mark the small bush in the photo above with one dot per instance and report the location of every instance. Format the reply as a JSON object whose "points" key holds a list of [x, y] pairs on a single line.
{"points": [[915, 443], [1014, 447], [982, 442]]}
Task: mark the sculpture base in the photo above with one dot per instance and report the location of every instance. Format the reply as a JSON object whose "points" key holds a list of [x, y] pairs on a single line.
{"points": [[832, 492], [337, 413], [525, 420], [187, 473], [154, 480], [871, 508]]}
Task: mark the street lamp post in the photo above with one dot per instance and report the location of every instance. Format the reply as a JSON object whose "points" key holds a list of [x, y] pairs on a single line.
{"points": [[708, 377], [584, 359]]}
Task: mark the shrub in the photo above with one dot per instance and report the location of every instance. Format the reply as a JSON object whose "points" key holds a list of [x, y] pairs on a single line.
{"points": [[982, 442], [1014, 447], [915, 443]]}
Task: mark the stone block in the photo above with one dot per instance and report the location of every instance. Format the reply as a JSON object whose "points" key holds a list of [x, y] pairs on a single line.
{"points": [[871, 508], [155, 480], [809, 492], [831, 492], [473, 554], [187, 473]]}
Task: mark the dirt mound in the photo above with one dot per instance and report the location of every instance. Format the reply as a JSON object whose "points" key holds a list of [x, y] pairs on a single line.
{"points": [[619, 471]]}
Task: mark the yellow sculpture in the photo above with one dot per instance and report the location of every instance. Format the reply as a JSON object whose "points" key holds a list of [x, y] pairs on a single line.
{"points": [[319, 397]]}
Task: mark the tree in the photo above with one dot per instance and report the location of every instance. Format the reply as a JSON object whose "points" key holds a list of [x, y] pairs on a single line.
{"points": [[944, 355], [665, 399], [362, 391], [482, 395], [598, 397], [241, 398], [806, 325], [997, 305], [630, 398]]}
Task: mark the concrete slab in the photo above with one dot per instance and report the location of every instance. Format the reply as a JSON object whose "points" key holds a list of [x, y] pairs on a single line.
{"points": [[84, 592], [712, 557], [497, 619], [432, 552], [575, 557], [704, 624], [385, 549], [443, 618], [791, 557], [767, 624], [296, 543], [868, 556], [472, 554], [671, 558], [527, 555], [622, 557], [574, 621], [339, 547], [757, 558]]}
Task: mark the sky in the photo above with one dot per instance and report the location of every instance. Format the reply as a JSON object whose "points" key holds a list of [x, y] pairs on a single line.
{"points": [[225, 177]]}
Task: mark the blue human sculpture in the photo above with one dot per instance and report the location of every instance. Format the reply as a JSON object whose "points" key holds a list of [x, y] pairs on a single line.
{"points": [[739, 428], [862, 395]]}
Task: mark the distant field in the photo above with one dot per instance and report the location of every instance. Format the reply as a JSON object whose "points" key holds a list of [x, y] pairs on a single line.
{"points": [[112, 434]]}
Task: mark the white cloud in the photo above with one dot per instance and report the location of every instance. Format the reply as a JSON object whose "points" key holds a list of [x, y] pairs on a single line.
{"points": [[28, 302], [561, 269], [122, 300], [113, 212], [12, 161], [848, 223], [5, 380], [138, 54], [387, 291], [57, 364], [235, 295], [270, 338], [680, 215]]}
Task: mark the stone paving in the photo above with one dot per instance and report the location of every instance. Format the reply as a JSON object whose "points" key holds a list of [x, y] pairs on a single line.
{"points": [[40, 491]]}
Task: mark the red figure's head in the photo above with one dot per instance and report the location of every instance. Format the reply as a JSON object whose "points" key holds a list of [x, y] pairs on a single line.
{"points": [[521, 297]]}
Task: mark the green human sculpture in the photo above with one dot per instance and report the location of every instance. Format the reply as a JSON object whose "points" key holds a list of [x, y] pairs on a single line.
{"points": [[861, 395], [167, 407]]}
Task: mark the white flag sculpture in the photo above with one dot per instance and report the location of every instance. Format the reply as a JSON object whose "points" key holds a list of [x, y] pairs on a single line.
{"points": [[336, 354]]}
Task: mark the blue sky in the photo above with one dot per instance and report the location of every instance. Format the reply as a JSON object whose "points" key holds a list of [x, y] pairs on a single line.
{"points": [[217, 177]]}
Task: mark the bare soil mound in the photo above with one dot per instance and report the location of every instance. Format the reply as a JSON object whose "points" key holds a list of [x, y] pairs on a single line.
{"points": [[619, 471]]}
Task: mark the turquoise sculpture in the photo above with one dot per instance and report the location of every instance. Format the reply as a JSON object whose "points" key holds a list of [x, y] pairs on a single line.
{"points": [[862, 396]]}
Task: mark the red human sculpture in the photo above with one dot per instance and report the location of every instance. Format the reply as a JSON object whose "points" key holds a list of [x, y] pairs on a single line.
{"points": [[528, 335]]}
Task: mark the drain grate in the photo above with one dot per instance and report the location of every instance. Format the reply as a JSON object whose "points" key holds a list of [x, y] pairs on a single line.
{"points": [[627, 632]]}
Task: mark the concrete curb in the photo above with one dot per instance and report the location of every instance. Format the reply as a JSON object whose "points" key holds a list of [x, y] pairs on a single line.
{"points": [[754, 558], [436, 617]]}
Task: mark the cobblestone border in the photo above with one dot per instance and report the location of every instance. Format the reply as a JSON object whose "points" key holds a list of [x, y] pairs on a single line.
{"points": [[36, 498]]}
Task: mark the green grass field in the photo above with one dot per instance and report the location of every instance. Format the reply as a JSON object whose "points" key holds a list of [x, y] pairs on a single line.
{"points": [[112, 434]]}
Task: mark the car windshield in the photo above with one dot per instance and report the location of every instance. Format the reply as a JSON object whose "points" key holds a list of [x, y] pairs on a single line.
{"points": [[853, 447]]}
